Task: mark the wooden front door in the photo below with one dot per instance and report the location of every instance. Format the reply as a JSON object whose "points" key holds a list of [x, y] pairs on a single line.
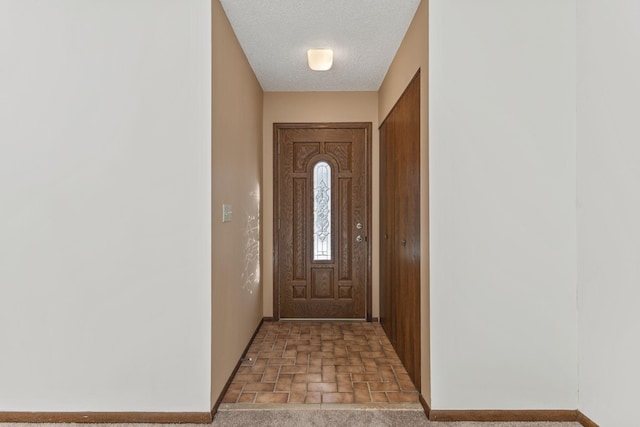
{"points": [[322, 220]]}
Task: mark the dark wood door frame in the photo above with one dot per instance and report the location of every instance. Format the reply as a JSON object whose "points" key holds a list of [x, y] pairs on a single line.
{"points": [[367, 127]]}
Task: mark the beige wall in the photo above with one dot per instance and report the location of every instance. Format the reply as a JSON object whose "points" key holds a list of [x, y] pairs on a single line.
{"points": [[291, 107], [236, 171], [412, 56]]}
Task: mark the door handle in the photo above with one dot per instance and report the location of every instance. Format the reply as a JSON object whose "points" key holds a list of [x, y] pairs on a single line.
{"points": [[403, 242], [359, 239]]}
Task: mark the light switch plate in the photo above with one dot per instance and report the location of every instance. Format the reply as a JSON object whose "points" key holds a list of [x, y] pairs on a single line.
{"points": [[227, 213]]}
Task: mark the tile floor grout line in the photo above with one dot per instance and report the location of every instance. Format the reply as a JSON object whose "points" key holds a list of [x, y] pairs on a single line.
{"points": [[284, 355], [306, 385]]}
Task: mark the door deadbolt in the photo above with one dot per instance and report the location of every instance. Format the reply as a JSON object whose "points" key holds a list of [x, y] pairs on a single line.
{"points": [[359, 226]]}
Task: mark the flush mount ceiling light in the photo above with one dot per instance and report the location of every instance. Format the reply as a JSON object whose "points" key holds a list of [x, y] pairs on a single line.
{"points": [[320, 59]]}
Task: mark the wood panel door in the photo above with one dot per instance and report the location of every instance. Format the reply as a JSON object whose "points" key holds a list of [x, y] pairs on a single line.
{"points": [[322, 221], [400, 228], [388, 199]]}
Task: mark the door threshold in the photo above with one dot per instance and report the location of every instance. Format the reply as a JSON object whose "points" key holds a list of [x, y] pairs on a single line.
{"points": [[295, 319]]}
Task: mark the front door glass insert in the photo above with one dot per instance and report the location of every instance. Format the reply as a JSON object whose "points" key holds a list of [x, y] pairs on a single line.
{"points": [[322, 212]]}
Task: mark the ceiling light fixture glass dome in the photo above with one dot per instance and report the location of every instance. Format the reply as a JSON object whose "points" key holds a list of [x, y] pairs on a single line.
{"points": [[320, 59]]}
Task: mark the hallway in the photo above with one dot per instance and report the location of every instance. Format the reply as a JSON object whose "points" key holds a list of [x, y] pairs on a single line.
{"points": [[321, 362]]}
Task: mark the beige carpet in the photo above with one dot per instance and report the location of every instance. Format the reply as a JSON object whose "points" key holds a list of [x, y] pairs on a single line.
{"points": [[304, 418]]}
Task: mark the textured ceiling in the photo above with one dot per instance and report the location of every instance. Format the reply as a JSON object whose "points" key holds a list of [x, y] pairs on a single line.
{"points": [[364, 34]]}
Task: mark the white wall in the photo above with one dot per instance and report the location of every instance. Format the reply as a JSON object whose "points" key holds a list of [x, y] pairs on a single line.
{"points": [[105, 205], [609, 209], [503, 228]]}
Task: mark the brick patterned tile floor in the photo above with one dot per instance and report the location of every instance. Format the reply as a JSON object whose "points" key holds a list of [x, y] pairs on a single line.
{"points": [[321, 362]]}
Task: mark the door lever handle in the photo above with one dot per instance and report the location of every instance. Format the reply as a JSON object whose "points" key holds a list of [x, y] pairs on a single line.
{"points": [[403, 242]]}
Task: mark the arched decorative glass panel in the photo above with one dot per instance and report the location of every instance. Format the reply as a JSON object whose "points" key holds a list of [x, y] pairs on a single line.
{"points": [[322, 212]]}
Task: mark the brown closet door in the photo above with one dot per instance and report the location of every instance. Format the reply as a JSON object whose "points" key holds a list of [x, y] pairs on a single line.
{"points": [[388, 178], [400, 228], [408, 224]]}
